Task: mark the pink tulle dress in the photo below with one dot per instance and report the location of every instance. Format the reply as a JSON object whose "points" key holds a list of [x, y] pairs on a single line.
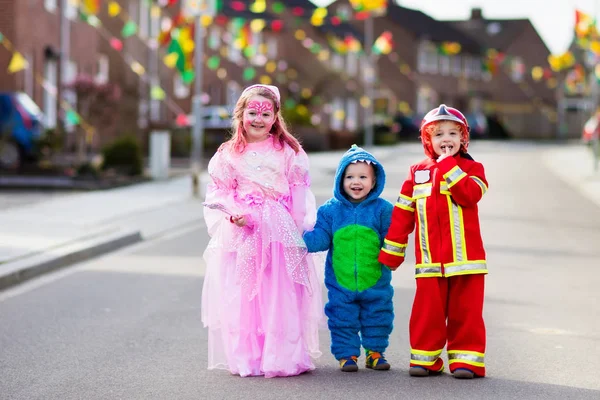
{"points": [[261, 299]]}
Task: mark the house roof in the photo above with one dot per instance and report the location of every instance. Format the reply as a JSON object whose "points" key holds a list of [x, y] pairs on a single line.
{"points": [[493, 33], [426, 27]]}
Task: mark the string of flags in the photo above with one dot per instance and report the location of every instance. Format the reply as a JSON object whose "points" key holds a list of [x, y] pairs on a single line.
{"points": [[19, 63]]}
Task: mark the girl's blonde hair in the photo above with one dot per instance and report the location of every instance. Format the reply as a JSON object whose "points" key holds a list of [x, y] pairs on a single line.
{"points": [[279, 129]]}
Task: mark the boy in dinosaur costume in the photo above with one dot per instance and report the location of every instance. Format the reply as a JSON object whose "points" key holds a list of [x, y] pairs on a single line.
{"points": [[352, 226]]}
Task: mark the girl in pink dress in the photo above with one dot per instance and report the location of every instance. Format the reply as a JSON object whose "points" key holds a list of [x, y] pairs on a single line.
{"points": [[261, 299]]}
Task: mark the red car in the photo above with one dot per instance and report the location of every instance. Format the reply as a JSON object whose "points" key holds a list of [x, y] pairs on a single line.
{"points": [[590, 129]]}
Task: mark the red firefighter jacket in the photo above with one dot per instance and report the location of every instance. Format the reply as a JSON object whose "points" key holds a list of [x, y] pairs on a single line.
{"points": [[441, 200]]}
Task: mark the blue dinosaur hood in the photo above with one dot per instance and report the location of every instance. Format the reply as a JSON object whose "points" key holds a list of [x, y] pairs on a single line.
{"points": [[356, 153]]}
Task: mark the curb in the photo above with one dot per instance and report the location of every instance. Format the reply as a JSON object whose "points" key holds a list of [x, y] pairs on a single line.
{"points": [[31, 267]]}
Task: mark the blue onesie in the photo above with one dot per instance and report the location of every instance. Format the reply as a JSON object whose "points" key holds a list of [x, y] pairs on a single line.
{"points": [[359, 287]]}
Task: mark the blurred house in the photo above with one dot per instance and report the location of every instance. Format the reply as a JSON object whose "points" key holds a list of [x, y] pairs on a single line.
{"points": [[420, 73]]}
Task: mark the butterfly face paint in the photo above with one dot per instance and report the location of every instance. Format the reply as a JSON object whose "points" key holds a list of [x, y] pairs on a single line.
{"points": [[259, 117]]}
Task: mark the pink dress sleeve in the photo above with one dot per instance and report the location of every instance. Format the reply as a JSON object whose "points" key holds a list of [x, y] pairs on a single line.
{"points": [[220, 190], [303, 203]]}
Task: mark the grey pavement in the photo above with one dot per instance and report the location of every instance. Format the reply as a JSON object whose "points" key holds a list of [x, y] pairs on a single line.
{"points": [[127, 325]]}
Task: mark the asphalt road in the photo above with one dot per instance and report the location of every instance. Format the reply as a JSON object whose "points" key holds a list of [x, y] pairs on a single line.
{"points": [[127, 325]]}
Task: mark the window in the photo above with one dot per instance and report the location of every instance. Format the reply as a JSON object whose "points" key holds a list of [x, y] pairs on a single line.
{"points": [[351, 63], [155, 103], [154, 23], [336, 123], [214, 37], [456, 65], [70, 95], [427, 59], [351, 114], [256, 41], [49, 99], [517, 69], [143, 113], [144, 20], [50, 5], [28, 83], [71, 9], [233, 93], [272, 44], [445, 65], [102, 69], [337, 62], [234, 52], [180, 89]]}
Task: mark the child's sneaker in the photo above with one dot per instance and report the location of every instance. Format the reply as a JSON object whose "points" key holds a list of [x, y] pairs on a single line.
{"points": [[463, 373], [376, 360], [422, 371], [349, 364]]}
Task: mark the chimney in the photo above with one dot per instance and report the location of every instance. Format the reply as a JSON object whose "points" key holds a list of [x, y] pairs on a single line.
{"points": [[476, 14]]}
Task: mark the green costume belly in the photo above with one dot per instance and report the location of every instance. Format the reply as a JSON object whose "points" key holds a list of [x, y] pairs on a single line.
{"points": [[355, 250]]}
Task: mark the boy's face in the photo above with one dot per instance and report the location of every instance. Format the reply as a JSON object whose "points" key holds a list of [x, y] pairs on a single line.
{"points": [[446, 138], [359, 179]]}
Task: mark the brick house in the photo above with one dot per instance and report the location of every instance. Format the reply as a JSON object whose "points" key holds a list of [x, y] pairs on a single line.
{"points": [[526, 106], [41, 48]]}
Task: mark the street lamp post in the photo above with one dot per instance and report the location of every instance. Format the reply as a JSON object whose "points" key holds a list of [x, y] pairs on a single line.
{"points": [[369, 75], [198, 126], [197, 9]]}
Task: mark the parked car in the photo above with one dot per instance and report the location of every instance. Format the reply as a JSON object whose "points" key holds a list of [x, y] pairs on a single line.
{"points": [[590, 128], [20, 129]]}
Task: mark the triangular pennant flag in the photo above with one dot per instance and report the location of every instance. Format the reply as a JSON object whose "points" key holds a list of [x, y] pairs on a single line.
{"points": [[170, 60], [138, 68], [156, 93], [114, 8], [129, 29], [72, 117], [17, 63]]}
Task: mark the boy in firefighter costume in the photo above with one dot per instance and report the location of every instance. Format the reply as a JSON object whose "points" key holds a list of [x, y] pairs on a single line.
{"points": [[351, 226], [440, 197]]}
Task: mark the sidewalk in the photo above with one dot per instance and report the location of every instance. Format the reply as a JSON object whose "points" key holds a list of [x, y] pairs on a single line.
{"points": [[44, 236]]}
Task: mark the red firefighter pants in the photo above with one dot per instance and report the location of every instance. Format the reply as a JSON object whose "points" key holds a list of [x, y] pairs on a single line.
{"points": [[448, 310]]}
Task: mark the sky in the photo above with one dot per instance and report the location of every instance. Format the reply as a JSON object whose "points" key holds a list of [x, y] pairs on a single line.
{"points": [[553, 19]]}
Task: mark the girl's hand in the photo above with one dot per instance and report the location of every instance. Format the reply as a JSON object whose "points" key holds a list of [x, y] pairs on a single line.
{"points": [[445, 155], [239, 220]]}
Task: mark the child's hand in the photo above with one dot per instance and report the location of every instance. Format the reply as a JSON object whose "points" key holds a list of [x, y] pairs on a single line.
{"points": [[445, 155], [239, 220]]}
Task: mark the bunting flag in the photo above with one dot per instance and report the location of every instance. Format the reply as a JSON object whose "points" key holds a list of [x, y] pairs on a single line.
{"points": [[17, 63], [114, 8], [369, 6], [383, 44], [585, 26], [90, 7]]}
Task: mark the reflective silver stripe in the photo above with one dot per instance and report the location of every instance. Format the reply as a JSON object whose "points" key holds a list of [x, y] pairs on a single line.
{"points": [[454, 176], [395, 249], [454, 269], [422, 216], [421, 191], [444, 188], [457, 231], [428, 270], [480, 183], [421, 357], [402, 201], [465, 356]]}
